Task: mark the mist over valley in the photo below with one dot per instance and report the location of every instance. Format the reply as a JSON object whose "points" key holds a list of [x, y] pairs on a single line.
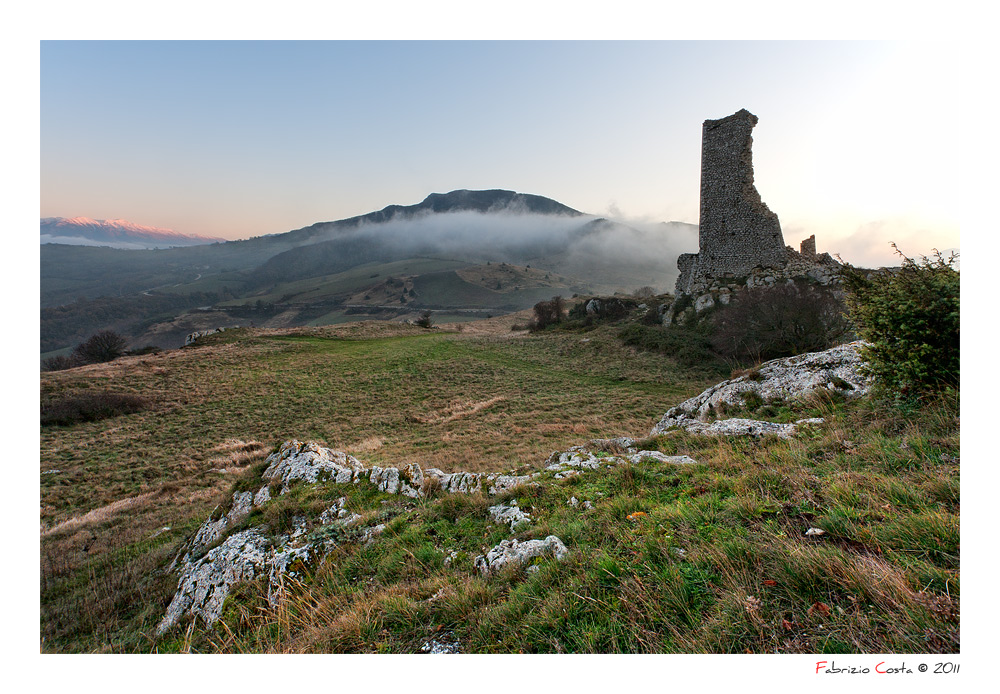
{"points": [[463, 255]]}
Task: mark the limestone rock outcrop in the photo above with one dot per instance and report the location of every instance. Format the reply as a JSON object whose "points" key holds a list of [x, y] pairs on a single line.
{"points": [[211, 563], [835, 370], [512, 552]]}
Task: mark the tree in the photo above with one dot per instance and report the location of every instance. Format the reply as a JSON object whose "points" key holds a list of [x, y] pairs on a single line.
{"points": [[100, 347], [909, 318]]}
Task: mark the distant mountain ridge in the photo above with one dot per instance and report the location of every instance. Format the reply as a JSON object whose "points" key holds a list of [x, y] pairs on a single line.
{"points": [[116, 233], [467, 250], [486, 201]]}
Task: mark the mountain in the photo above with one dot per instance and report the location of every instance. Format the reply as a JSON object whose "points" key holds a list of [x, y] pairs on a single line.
{"points": [[492, 251], [115, 233]]}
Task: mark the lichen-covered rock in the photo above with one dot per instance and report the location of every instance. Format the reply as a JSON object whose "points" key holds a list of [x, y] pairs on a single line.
{"points": [[836, 370], [212, 529], [498, 484], [744, 427], [311, 462], [566, 463], [262, 496], [205, 584], [279, 563], [459, 482], [408, 481], [338, 514], [510, 515], [637, 458], [513, 552]]}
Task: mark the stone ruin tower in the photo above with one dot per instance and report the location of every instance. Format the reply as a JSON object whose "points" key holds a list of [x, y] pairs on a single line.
{"points": [[739, 238]]}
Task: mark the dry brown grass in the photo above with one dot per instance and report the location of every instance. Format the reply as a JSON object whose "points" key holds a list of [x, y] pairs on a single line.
{"points": [[458, 410]]}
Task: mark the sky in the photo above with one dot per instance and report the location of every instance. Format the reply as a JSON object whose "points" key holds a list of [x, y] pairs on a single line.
{"points": [[857, 142]]}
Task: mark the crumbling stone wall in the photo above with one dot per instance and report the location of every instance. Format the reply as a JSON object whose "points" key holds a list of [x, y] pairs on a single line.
{"points": [[808, 247]]}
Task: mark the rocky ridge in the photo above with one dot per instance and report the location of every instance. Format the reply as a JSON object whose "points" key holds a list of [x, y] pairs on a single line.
{"points": [[209, 569], [836, 370]]}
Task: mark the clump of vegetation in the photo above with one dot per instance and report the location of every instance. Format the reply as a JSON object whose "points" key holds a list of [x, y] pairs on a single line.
{"points": [[763, 323], [604, 309], [91, 407], [60, 362], [910, 319], [425, 320], [107, 345], [547, 313]]}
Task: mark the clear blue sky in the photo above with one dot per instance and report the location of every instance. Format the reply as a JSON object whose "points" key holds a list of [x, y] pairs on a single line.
{"points": [[858, 142]]}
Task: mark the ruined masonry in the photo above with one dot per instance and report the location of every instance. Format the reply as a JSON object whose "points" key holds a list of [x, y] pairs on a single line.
{"points": [[739, 238]]}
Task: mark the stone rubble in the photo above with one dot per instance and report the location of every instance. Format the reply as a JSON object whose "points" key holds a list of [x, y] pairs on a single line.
{"points": [[444, 644], [511, 515], [513, 552]]}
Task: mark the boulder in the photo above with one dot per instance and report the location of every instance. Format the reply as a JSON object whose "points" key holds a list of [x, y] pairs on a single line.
{"points": [[512, 552], [835, 370], [309, 462], [511, 515]]}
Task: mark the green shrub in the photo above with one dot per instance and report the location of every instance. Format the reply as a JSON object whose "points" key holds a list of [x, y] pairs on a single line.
{"points": [[910, 319]]}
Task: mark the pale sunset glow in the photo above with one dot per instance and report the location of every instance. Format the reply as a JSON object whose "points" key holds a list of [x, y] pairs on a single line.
{"points": [[857, 142]]}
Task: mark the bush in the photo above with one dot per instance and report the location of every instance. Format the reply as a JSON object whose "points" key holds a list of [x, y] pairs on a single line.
{"points": [[148, 349], [106, 345], [604, 308], [59, 363], [90, 407], [910, 319], [547, 313], [425, 320], [764, 323]]}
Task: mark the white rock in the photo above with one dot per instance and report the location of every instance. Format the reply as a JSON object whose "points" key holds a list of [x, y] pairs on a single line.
{"points": [[509, 515], [661, 457], [205, 584], [262, 496], [512, 552], [309, 462], [790, 378]]}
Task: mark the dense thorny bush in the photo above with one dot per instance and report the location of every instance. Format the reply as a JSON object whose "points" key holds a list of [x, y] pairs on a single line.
{"points": [[763, 323], [90, 407], [547, 313], [910, 319]]}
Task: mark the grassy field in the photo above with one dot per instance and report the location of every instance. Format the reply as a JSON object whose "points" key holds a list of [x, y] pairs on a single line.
{"points": [[703, 558]]}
